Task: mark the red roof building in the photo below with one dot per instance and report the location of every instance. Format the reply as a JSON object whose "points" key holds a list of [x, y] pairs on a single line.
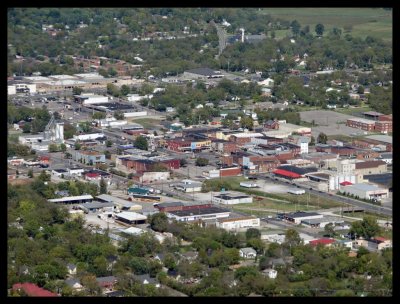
{"points": [[285, 173], [345, 183], [325, 242], [32, 290]]}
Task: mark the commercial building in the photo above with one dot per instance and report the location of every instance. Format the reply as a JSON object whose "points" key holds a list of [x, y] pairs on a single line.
{"points": [[130, 218], [361, 123], [237, 223], [231, 199], [298, 217], [366, 191], [187, 185], [88, 99], [88, 157], [72, 199], [198, 214], [371, 167], [118, 202]]}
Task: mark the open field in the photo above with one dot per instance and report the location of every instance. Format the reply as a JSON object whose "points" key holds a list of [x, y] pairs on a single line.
{"points": [[375, 22], [146, 122]]}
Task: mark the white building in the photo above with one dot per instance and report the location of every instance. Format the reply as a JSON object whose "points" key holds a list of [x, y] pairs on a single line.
{"points": [[346, 166], [231, 199], [187, 185], [75, 171], [21, 88], [90, 136], [335, 180], [271, 273], [247, 253], [110, 122], [366, 191], [237, 223], [89, 98], [269, 82]]}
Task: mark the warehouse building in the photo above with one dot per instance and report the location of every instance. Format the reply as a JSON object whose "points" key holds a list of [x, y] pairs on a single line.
{"points": [[366, 191], [231, 199], [237, 223], [298, 217], [198, 214], [130, 218]]}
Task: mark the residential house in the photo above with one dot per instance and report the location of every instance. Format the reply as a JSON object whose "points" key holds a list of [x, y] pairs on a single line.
{"points": [[247, 253], [74, 283], [71, 268], [271, 273], [107, 282], [145, 279], [189, 256]]}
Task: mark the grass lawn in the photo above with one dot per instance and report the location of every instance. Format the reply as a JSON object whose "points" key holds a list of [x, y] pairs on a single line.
{"points": [[375, 22], [146, 122], [353, 111]]}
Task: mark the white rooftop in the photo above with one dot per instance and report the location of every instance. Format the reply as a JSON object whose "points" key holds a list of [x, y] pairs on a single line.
{"points": [[89, 75], [70, 198], [241, 135], [64, 82], [364, 187], [62, 77], [132, 230], [384, 138], [131, 216], [37, 78]]}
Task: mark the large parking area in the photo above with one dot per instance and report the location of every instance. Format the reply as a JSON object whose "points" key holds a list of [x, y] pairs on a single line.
{"points": [[328, 122]]}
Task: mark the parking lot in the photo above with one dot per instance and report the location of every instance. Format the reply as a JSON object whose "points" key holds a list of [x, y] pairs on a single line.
{"points": [[328, 122]]}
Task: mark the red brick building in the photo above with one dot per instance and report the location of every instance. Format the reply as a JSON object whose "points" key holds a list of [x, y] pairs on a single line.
{"points": [[360, 123], [384, 126], [176, 206], [178, 145], [230, 171], [386, 117], [143, 165]]}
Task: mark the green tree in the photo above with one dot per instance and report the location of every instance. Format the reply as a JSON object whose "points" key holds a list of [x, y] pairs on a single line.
{"points": [[30, 173], [247, 122], [253, 233], [319, 29], [367, 228], [113, 90], [159, 222], [201, 162], [295, 25], [103, 186], [125, 90], [99, 115], [77, 145], [119, 115], [77, 90], [141, 143], [329, 230], [292, 238], [312, 141], [170, 261], [53, 148], [108, 143], [26, 128], [63, 147], [322, 138]]}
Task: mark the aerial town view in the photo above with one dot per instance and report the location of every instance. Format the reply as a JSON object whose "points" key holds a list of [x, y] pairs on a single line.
{"points": [[179, 152]]}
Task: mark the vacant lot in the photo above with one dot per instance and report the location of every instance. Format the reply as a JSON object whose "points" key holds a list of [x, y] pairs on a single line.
{"points": [[328, 122], [375, 22]]}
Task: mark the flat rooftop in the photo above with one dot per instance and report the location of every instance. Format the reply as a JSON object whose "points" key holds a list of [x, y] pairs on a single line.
{"points": [[199, 211]]}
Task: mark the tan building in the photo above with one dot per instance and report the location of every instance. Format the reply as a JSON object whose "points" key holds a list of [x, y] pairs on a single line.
{"points": [[370, 167]]}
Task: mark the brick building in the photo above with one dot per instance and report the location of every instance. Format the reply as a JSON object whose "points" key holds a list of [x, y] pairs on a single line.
{"points": [[384, 126], [360, 123]]}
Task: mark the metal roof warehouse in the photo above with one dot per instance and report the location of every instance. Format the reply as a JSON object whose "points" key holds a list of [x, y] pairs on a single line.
{"points": [[72, 199]]}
